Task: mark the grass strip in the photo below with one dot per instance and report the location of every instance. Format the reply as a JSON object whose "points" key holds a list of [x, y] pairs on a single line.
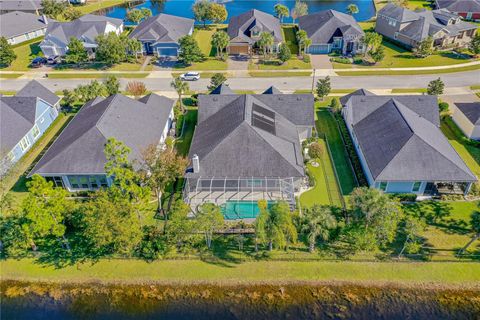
{"points": [[409, 90], [406, 72], [10, 75], [63, 75], [262, 74]]}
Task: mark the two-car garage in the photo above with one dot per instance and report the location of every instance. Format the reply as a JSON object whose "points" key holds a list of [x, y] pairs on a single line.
{"points": [[319, 49], [238, 49]]}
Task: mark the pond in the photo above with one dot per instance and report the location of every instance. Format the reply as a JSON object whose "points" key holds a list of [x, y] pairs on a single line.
{"points": [[183, 8]]}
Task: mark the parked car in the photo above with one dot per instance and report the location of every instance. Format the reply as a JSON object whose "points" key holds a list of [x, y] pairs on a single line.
{"points": [[190, 76], [37, 62], [53, 60]]}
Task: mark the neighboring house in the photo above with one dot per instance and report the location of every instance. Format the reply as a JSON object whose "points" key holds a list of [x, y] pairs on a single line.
{"points": [[85, 28], [248, 147], [468, 9], [467, 116], [24, 118], [245, 29], [76, 159], [159, 34], [331, 30], [18, 27], [409, 28], [401, 147], [29, 6]]}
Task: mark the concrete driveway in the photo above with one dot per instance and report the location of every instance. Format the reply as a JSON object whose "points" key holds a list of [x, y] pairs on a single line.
{"points": [[238, 62], [320, 61]]}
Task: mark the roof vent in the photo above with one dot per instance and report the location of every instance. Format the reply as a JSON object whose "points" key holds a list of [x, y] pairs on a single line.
{"points": [[299, 99], [215, 99], [362, 100], [196, 163]]}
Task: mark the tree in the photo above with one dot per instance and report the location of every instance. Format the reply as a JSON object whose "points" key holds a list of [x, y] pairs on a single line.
{"points": [[265, 42], [411, 230], [53, 8], [220, 41], [76, 52], [216, 80], [315, 150], [402, 3], [424, 48], [110, 49], [274, 225], [84, 93], [161, 167], [284, 53], [201, 11], [335, 105], [189, 50], [323, 87], [303, 41], [136, 88], [300, 9], [180, 87], [132, 46], [72, 13], [352, 9], [474, 45], [475, 225], [208, 220], [69, 97], [435, 87], [317, 223], [112, 85], [7, 55], [136, 15], [281, 11], [217, 13], [378, 54], [181, 229], [372, 41]]}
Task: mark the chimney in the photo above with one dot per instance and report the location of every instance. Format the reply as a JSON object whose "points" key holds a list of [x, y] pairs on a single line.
{"points": [[196, 163], [45, 19]]}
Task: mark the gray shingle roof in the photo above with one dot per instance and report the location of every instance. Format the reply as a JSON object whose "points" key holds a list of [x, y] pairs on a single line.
{"points": [[16, 23], [323, 25], [20, 5], [239, 26], [230, 143], [222, 89], [35, 89], [162, 28], [359, 92], [459, 5], [401, 144], [17, 117], [80, 147], [471, 110], [398, 13]]}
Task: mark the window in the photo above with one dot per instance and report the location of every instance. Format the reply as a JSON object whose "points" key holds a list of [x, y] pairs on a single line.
{"points": [[103, 181], [24, 143], [93, 182], [416, 186], [392, 22], [383, 186], [35, 132], [27, 35], [337, 42], [12, 40], [84, 182], [395, 36], [73, 182]]}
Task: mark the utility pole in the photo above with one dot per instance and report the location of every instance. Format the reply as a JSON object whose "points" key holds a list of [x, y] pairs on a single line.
{"points": [[313, 80]]}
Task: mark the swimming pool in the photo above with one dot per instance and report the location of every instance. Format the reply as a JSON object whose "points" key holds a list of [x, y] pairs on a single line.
{"points": [[241, 209]]}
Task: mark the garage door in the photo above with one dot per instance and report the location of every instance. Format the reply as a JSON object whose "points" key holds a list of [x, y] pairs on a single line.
{"points": [[238, 49], [319, 49], [167, 52]]}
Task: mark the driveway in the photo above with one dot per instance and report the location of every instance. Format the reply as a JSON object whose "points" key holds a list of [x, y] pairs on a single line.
{"points": [[320, 61], [238, 62]]}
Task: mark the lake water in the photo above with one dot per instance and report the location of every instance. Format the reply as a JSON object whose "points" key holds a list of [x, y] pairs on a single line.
{"points": [[183, 8]]}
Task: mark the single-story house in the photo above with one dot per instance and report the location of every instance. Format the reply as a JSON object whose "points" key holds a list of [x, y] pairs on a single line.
{"points": [[159, 34], [468, 9], [76, 159], [466, 114], [246, 147], [85, 28], [18, 27], [245, 29], [331, 30], [24, 118], [409, 28], [401, 147]]}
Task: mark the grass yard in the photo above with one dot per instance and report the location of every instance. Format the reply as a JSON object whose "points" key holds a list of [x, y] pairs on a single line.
{"points": [[10, 75], [25, 52], [183, 143], [419, 4], [94, 5], [406, 72], [85, 75], [266, 74], [204, 40], [272, 271], [290, 37], [208, 64], [409, 90]]}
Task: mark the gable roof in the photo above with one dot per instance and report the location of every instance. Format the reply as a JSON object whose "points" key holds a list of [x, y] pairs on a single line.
{"points": [[222, 89], [80, 147], [17, 23], [162, 28], [459, 5], [400, 144], [359, 92], [20, 5], [471, 110], [239, 26], [272, 90], [323, 25], [35, 89]]}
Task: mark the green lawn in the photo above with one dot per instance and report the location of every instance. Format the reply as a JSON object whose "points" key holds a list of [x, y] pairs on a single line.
{"points": [[25, 52], [208, 64], [409, 90], [406, 72], [419, 4], [266, 74], [183, 143], [290, 37], [204, 40], [86, 75], [272, 271], [10, 75], [94, 5]]}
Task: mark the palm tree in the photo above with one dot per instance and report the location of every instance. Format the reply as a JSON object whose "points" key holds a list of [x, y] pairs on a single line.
{"points": [[317, 223], [352, 9], [266, 42], [281, 11], [180, 87]]}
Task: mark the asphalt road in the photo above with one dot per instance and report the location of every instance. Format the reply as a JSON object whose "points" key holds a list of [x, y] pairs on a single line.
{"points": [[460, 79]]}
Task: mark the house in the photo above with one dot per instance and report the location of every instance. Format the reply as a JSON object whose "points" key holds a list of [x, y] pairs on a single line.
{"points": [[159, 34], [18, 27], [331, 30], [245, 29], [24, 118], [468, 9], [28, 6], [466, 114], [401, 147], [409, 28], [76, 160], [85, 28], [246, 147]]}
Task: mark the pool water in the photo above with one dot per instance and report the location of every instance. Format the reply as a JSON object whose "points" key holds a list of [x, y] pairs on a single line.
{"points": [[241, 209]]}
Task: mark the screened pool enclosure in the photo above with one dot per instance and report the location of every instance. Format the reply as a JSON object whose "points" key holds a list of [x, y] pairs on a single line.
{"points": [[236, 196]]}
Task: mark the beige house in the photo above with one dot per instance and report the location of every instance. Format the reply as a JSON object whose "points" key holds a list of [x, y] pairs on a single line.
{"points": [[466, 114]]}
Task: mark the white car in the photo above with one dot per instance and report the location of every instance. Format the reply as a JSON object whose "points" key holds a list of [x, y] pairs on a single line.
{"points": [[190, 76]]}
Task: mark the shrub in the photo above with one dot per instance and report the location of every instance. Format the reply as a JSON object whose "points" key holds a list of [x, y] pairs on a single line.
{"points": [[306, 58], [136, 88], [341, 60], [443, 106], [475, 190], [311, 177], [315, 150], [405, 197]]}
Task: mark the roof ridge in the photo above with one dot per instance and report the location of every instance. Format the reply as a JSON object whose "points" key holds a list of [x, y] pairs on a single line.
{"points": [[36, 101], [103, 114]]}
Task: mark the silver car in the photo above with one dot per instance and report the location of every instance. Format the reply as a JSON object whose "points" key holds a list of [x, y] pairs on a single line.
{"points": [[190, 76]]}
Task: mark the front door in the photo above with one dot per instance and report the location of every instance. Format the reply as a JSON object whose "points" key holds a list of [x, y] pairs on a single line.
{"points": [[148, 48], [430, 188]]}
